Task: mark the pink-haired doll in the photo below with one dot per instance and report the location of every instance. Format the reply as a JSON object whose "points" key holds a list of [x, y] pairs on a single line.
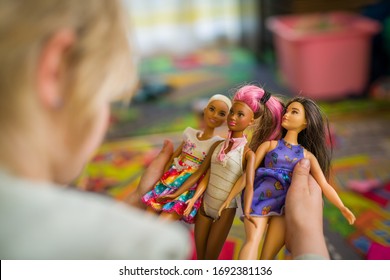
{"points": [[230, 160]]}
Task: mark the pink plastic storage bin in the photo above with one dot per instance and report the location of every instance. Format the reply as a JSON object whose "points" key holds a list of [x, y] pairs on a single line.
{"points": [[324, 56]]}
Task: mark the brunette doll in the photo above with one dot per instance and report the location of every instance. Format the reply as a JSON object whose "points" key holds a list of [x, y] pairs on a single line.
{"points": [[185, 161], [304, 136], [230, 160]]}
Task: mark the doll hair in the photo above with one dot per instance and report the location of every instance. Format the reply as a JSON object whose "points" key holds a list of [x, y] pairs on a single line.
{"points": [[267, 108], [222, 98], [313, 137]]}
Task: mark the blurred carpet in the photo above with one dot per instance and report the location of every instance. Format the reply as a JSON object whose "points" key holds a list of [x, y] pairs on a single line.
{"points": [[361, 175], [180, 83]]}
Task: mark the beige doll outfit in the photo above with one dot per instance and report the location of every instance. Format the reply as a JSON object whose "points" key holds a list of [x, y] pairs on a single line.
{"points": [[223, 176]]}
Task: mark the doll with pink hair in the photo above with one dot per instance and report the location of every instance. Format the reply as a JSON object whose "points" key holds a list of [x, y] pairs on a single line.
{"points": [[226, 163]]}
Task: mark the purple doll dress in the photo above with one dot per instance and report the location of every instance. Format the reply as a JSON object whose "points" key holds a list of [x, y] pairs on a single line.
{"points": [[273, 180]]}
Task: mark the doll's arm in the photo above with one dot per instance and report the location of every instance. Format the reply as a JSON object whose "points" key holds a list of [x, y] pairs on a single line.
{"points": [[194, 177], [250, 176], [198, 193], [329, 192], [241, 182], [175, 154]]}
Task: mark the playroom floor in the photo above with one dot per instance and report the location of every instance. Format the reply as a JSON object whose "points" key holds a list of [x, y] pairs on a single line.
{"points": [[361, 155]]}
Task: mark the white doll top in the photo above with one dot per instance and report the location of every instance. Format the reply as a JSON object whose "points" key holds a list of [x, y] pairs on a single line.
{"points": [[223, 176], [194, 150]]}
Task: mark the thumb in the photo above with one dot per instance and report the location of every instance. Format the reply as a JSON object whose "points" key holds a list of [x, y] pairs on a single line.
{"points": [[301, 173], [167, 147]]}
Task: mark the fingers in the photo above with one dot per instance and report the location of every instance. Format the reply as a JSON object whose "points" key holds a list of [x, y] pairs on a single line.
{"points": [[188, 209], [163, 156], [159, 199], [349, 216], [303, 213], [250, 219], [166, 150], [301, 174], [164, 198], [155, 169], [221, 209], [313, 186]]}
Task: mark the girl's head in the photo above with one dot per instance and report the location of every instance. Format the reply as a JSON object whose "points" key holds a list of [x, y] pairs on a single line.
{"points": [[266, 108], [61, 63], [216, 111], [313, 128], [97, 66]]}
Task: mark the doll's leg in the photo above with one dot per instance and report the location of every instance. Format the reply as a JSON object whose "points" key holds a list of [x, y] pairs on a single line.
{"points": [[201, 233], [218, 233], [173, 216], [151, 210], [254, 234], [274, 238]]}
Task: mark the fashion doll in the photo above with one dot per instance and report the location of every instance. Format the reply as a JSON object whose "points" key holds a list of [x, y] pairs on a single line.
{"points": [[229, 160], [303, 137], [185, 161]]}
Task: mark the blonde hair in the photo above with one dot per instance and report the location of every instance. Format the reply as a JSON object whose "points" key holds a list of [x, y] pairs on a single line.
{"points": [[98, 66]]}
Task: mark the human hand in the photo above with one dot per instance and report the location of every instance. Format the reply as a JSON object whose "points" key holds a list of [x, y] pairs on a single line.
{"points": [[151, 175], [304, 220], [190, 203]]}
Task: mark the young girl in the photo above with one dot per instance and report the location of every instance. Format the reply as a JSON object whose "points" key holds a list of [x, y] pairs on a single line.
{"points": [[228, 162], [62, 63], [304, 137], [185, 161]]}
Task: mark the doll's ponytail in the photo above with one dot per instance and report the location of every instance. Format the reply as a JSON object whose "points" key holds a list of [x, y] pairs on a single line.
{"points": [[267, 109]]}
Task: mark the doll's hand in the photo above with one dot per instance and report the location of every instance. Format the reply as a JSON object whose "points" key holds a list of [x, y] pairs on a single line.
{"points": [[249, 218], [190, 203], [223, 207], [348, 215], [165, 198]]}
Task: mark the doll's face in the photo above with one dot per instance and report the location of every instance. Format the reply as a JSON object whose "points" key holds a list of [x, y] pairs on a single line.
{"points": [[215, 113], [294, 118], [240, 116]]}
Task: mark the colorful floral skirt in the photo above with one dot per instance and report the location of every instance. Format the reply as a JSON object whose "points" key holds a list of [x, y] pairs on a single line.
{"points": [[168, 184]]}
